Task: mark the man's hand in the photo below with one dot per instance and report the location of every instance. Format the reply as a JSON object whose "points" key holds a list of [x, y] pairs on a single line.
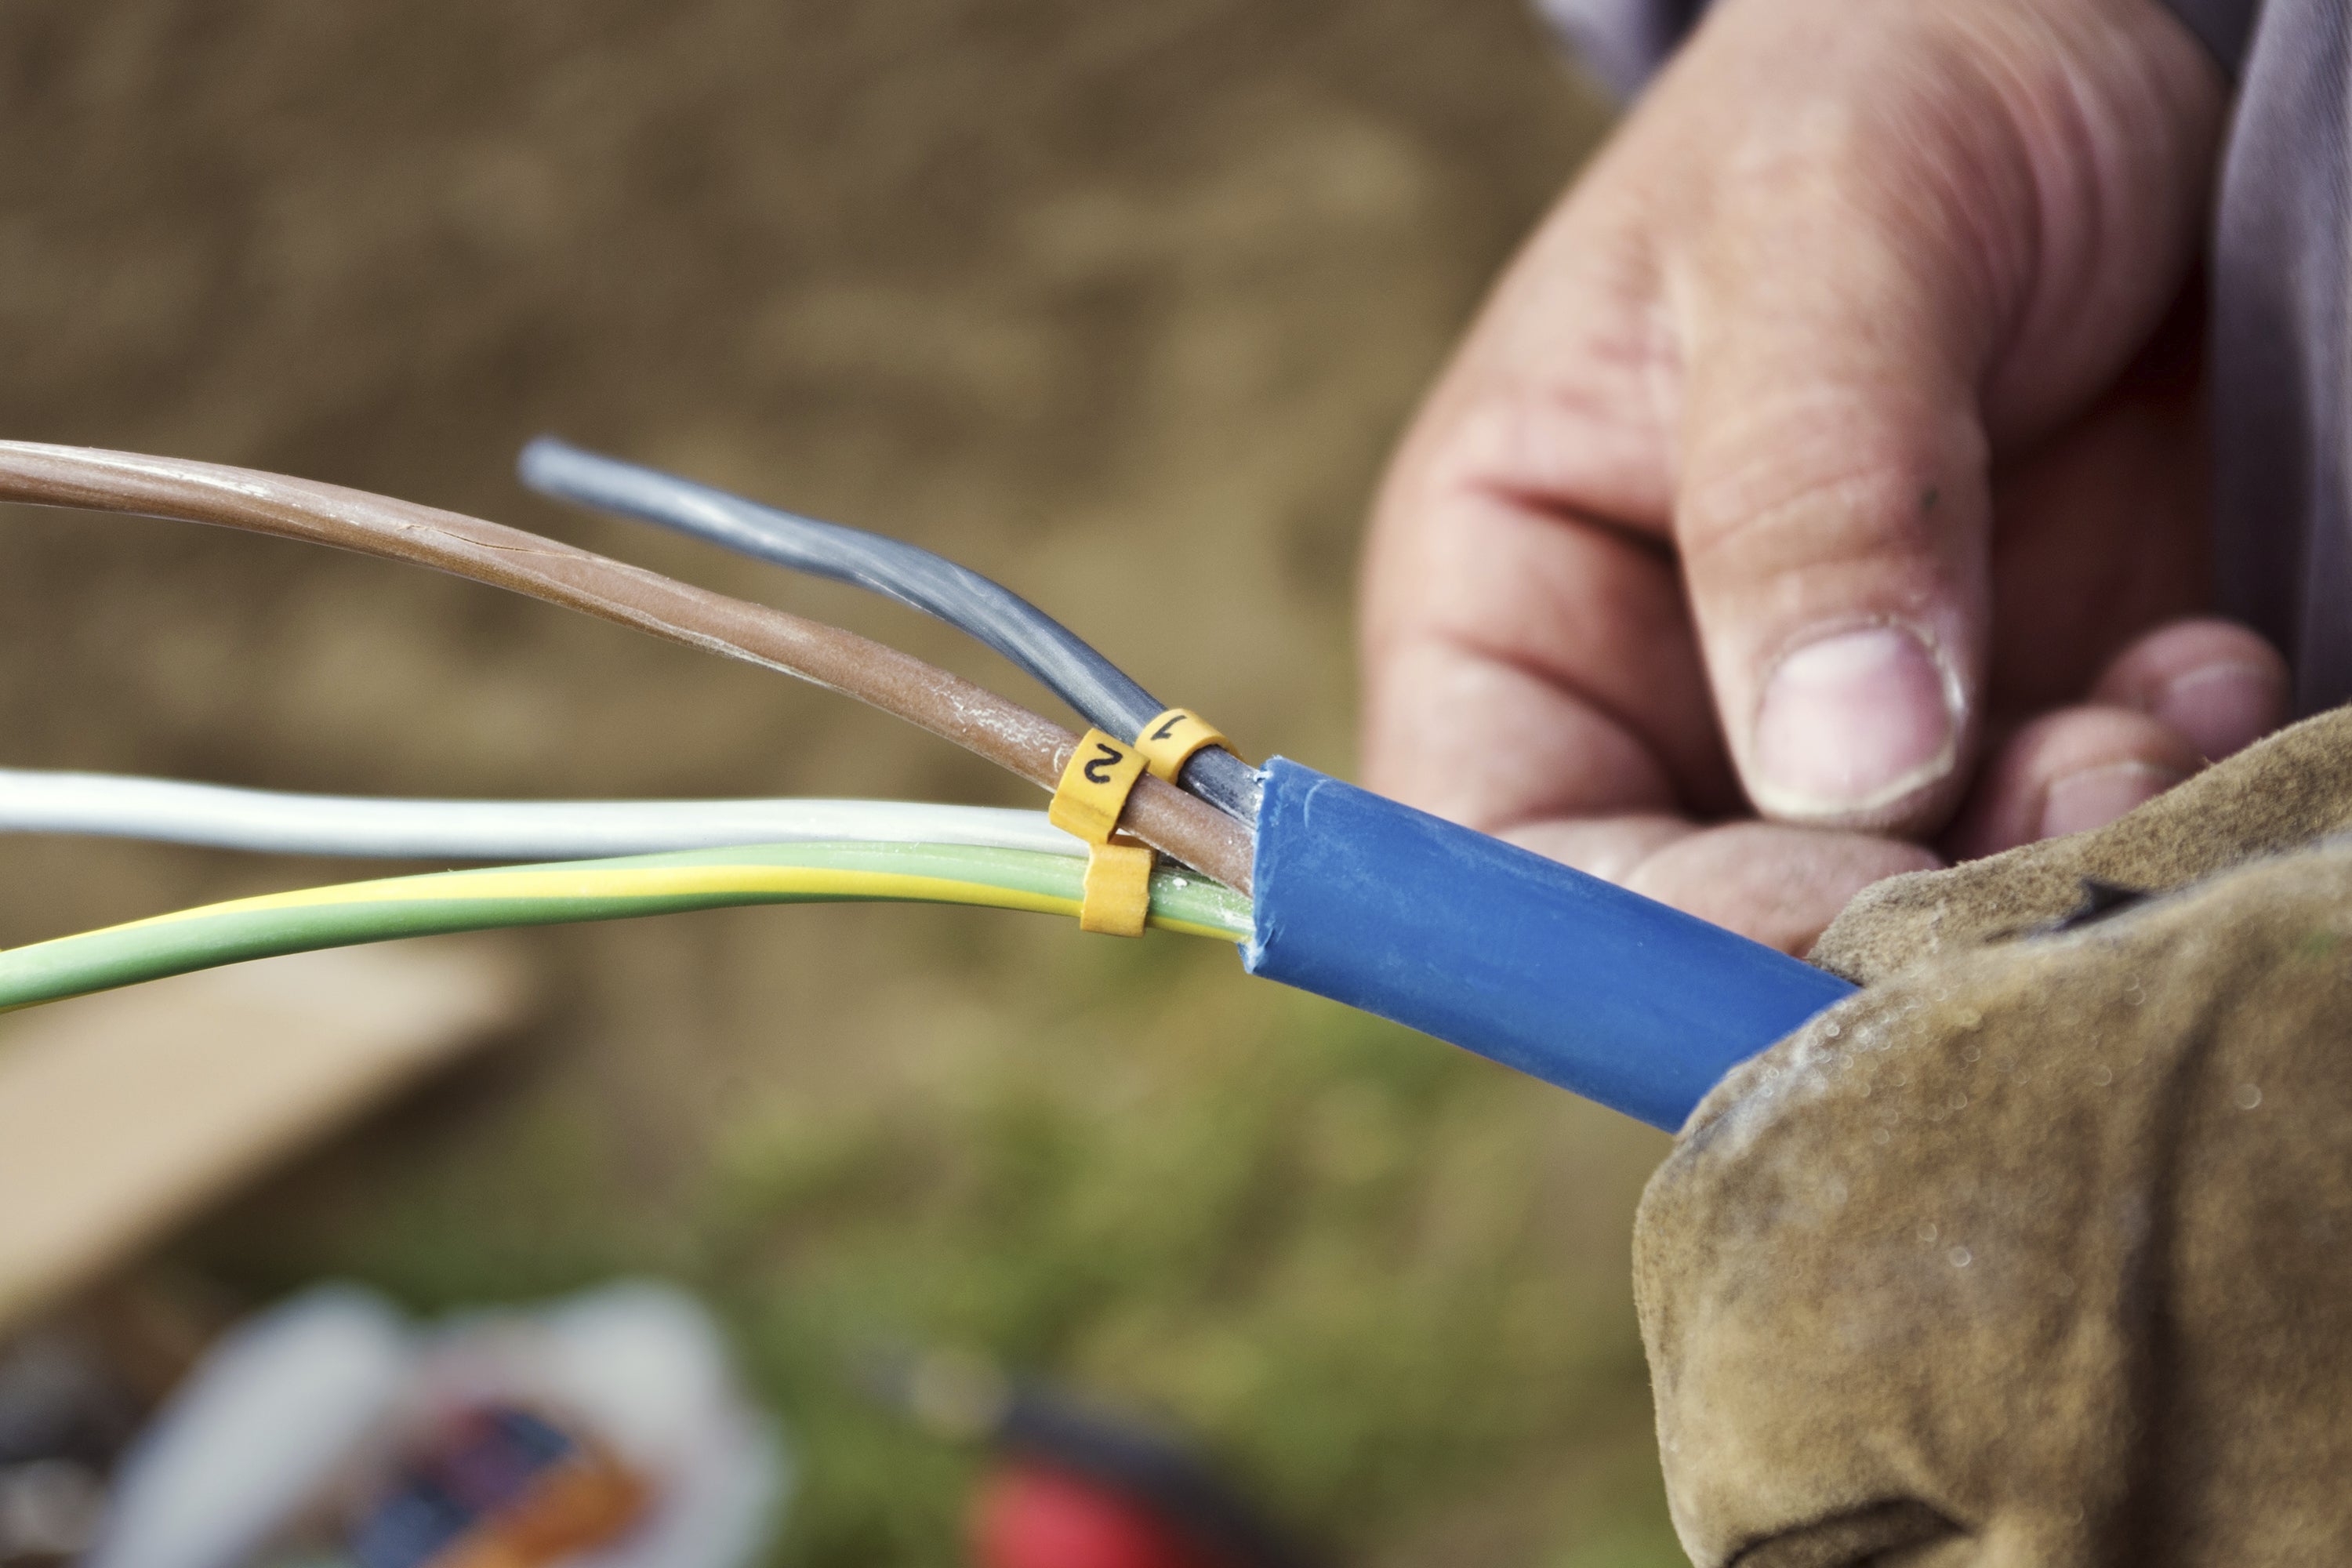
{"points": [[1840, 433]]}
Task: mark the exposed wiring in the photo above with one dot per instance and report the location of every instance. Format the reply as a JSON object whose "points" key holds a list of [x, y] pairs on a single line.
{"points": [[274, 821], [1059, 658], [1522, 959], [560, 894], [969, 715]]}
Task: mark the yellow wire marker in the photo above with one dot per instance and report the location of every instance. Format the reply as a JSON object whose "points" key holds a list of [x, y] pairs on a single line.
{"points": [[1169, 741], [1100, 774]]}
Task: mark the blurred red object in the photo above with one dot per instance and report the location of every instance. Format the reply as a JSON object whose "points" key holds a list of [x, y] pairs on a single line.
{"points": [[1029, 1516]]}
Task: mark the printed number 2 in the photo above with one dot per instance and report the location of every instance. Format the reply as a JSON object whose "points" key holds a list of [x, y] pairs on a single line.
{"points": [[1098, 766]]}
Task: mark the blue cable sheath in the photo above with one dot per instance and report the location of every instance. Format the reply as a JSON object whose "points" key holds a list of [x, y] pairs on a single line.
{"points": [[1564, 976], [920, 579]]}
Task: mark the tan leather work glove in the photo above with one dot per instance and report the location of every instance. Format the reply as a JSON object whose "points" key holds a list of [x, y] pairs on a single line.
{"points": [[2039, 1250]]}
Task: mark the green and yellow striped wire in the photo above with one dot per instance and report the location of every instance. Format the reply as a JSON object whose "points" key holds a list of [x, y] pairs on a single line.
{"points": [[557, 894]]}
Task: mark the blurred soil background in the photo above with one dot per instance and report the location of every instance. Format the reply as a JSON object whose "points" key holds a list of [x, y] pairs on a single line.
{"points": [[1122, 304]]}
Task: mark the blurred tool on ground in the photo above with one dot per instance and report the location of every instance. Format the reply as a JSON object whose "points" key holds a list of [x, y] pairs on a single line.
{"points": [[1075, 1485], [331, 1433]]}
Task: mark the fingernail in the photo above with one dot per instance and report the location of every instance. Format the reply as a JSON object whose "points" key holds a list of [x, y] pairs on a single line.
{"points": [[2221, 708], [2096, 797], [1854, 720]]}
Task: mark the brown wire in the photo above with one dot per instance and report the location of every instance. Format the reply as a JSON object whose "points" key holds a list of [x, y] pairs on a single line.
{"points": [[971, 716]]}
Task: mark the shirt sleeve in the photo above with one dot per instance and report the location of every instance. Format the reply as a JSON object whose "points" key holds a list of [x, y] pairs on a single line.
{"points": [[1625, 41], [1622, 41], [2223, 26]]}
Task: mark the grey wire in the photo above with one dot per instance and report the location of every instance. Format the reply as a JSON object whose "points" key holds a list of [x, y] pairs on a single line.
{"points": [[173, 812], [914, 576]]}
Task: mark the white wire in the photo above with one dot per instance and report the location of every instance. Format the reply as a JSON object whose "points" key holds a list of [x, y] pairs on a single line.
{"points": [[36, 801]]}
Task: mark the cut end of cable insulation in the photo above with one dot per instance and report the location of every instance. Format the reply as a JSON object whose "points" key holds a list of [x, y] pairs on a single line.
{"points": [[1568, 978]]}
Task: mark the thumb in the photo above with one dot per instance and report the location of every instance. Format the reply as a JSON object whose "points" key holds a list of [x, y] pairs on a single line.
{"points": [[1859, 277], [1834, 518]]}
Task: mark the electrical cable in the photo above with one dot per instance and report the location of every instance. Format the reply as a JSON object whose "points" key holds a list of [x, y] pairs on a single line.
{"points": [[1527, 962], [956, 709], [558, 894], [1521, 959], [1578, 983], [1059, 657], [275, 822]]}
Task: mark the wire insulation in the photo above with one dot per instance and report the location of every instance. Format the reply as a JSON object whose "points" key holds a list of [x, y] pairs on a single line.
{"points": [[275, 822], [1064, 662], [1566, 977], [969, 715], [447, 901]]}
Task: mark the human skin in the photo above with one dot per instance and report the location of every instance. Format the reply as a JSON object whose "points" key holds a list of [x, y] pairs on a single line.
{"points": [[1821, 491]]}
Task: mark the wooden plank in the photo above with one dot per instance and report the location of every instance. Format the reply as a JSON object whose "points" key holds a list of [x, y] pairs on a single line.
{"points": [[123, 1114]]}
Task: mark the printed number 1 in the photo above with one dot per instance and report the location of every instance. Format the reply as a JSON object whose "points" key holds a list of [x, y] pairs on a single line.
{"points": [[1106, 757], [1168, 729]]}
